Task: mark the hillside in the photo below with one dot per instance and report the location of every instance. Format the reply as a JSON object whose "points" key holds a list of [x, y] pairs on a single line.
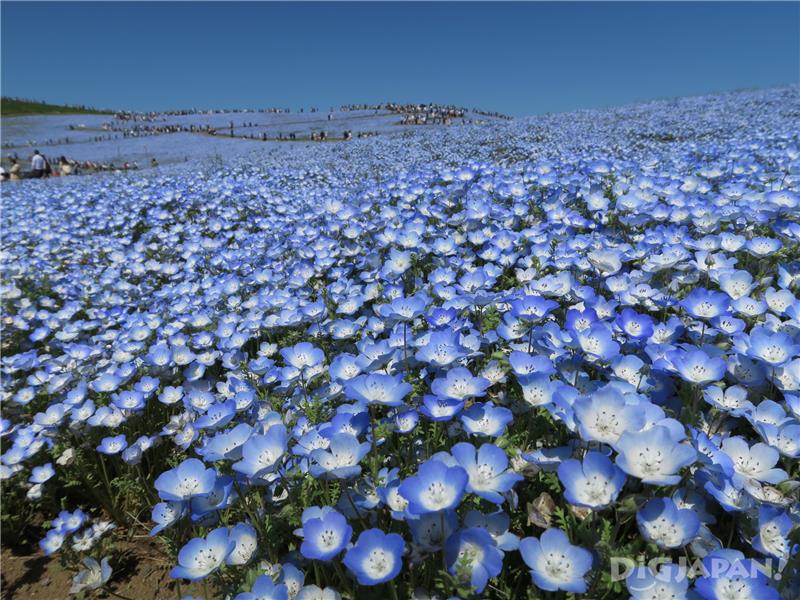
{"points": [[16, 107]]}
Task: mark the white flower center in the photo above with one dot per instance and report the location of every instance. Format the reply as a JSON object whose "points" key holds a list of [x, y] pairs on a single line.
{"points": [[378, 563]]}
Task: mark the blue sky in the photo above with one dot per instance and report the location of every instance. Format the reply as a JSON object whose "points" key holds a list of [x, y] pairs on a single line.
{"points": [[518, 58]]}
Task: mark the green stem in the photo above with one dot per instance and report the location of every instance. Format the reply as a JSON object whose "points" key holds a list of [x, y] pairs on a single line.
{"points": [[393, 590], [317, 578], [355, 508], [112, 504]]}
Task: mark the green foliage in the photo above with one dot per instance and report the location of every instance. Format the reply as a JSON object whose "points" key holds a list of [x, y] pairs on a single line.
{"points": [[14, 107]]}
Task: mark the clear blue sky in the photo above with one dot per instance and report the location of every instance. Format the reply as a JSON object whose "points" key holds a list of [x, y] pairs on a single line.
{"points": [[518, 58]]}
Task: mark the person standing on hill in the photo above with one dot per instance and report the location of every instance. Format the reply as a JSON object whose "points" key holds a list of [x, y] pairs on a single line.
{"points": [[38, 165], [14, 171], [64, 167]]}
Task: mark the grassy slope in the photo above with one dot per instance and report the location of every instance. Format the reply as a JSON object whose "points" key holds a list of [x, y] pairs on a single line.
{"points": [[12, 107]]}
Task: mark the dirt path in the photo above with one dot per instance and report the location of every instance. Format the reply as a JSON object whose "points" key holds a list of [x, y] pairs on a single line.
{"points": [[140, 573]]}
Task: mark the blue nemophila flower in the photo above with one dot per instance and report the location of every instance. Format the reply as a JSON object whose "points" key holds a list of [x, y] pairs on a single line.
{"points": [[376, 557], [261, 454], [486, 419], [431, 530], [202, 556], [526, 365], [785, 438], [217, 416], [607, 261], [705, 304], [754, 463], [695, 366], [435, 487], [605, 415], [107, 382], [344, 367], [669, 581], [292, 577], [341, 459], [166, 514], [190, 478], [763, 246], [113, 445], [171, 395], [732, 400], [593, 483], [472, 553], [512, 328], [774, 348], [353, 420], [460, 384], [93, 577], [441, 349], [554, 563], [313, 592], [52, 542], [440, 409], [636, 326], [406, 421], [129, 400], [221, 496], [226, 445], [768, 412], [532, 308], [397, 263], [404, 309], [730, 497], [774, 527], [159, 355], [303, 356], [497, 525], [539, 390], [727, 574], [579, 320], [597, 342], [487, 468], [374, 354], [661, 521], [42, 473], [653, 455], [245, 544], [69, 522], [133, 453], [378, 388], [736, 283], [264, 588], [325, 533]]}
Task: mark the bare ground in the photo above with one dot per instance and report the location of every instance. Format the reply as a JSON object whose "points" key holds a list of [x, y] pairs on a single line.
{"points": [[141, 572]]}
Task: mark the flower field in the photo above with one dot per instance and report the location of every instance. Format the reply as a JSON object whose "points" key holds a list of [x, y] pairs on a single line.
{"points": [[555, 357]]}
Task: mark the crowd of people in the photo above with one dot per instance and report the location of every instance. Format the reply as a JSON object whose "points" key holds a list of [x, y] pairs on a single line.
{"points": [[158, 116], [134, 125], [435, 114], [148, 130], [41, 167], [62, 141]]}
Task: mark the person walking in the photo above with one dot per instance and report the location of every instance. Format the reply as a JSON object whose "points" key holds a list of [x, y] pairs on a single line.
{"points": [[38, 165], [64, 167], [14, 172]]}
